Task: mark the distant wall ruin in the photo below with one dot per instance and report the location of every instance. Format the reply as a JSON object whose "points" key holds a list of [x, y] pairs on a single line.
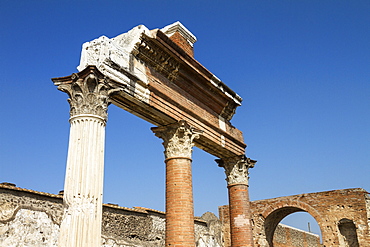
{"points": [[342, 215], [30, 218], [33, 218]]}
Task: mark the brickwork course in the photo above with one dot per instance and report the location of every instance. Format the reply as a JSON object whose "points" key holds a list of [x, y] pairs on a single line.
{"points": [[240, 226], [179, 203]]}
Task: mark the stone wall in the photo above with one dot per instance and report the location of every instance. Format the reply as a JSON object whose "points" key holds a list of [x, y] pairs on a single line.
{"points": [[286, 236], [30, 218]]}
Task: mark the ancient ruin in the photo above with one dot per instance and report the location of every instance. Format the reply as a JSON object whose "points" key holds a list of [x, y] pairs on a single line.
{"points": [[342, 215], [152, 74], [31, 218]]}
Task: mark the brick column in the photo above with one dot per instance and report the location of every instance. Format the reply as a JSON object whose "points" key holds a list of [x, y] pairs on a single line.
{"points": [[83, 187], [178, 142], [236, 169]]}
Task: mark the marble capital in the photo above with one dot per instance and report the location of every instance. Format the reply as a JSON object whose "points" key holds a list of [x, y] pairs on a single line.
{"points": [[236, 169], [177, 139], [89, 95]]}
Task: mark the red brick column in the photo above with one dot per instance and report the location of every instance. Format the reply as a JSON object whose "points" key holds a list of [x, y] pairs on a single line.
{"points": [[178, 143], [236, 169]]}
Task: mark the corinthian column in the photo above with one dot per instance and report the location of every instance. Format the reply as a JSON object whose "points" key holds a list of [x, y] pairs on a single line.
{"points": [[236, 170], [178, 143], [83, 188]]}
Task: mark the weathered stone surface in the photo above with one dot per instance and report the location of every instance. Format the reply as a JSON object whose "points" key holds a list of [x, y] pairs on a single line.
{"points": [[211, 235], [31, 218], [13, 199], [286, 236], [29, 228], [7, 210], [113, 58]]}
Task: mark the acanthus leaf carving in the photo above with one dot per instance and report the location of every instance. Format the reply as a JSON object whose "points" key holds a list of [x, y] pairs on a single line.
{"points": [[177, 139], [89, 95], [236, 169]]}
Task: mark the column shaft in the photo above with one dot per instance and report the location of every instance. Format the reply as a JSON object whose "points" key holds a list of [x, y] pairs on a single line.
{"points": [[179, 203], [236, 170], [81, 225], [89, 92], [240, 215], [178, 143]]}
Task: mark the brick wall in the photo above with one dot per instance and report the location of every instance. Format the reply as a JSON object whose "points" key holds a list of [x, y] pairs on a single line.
{"points": [[342, 216], [183, 43]]}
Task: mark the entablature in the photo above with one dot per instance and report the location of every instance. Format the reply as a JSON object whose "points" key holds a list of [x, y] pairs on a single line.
{"points": [[159, 82]]}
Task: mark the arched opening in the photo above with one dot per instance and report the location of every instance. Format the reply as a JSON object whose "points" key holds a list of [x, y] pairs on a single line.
{"points": [[305, 222], [297, 226], [348, 233]]}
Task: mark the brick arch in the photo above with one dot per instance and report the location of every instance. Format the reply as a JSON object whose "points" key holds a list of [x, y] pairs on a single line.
{"points": [[328, 208], [276, 212], [290, 203]]}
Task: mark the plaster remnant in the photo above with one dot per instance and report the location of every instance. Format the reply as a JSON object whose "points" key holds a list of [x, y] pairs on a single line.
{"points": [[29, 228], [223, 141], [221, 122], [241, 220], [6, 211]]}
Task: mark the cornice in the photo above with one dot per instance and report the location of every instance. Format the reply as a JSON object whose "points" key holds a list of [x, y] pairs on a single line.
{"points": [[192, 64]]}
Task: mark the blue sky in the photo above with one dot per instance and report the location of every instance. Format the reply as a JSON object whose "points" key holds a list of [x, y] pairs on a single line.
{"points": [[302, 68]]}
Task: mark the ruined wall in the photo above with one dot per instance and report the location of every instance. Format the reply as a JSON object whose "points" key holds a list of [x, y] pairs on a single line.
{"points": [[286, 236], [30, 218], [342, 215]]}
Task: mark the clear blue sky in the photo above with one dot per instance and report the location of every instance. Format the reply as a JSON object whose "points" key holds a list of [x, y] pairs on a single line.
{"points": [[302, 68]]}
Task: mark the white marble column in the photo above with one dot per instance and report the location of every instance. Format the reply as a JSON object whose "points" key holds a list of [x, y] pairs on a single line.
{"points": [[83, 188]]}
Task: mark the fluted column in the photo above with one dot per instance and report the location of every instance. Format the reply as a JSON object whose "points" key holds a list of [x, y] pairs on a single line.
{"points": [[83, 188], [178, 142], [236, 170]]}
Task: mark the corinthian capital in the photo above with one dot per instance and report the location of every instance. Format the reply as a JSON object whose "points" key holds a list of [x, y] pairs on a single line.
{"points": [[88, 95], [177, 139], [236, 169]]}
